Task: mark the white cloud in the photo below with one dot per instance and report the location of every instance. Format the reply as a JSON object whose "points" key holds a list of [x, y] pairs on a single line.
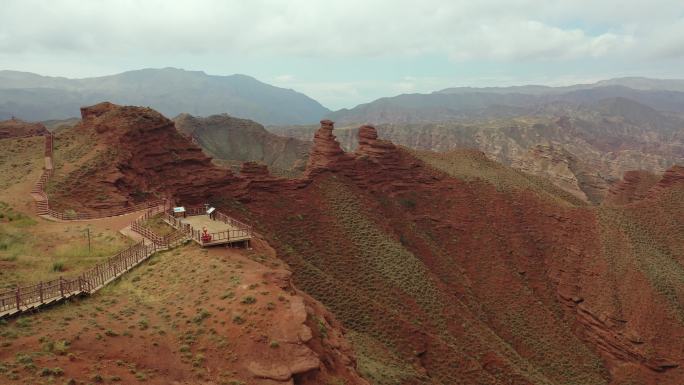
{"points": [[295, 43], [349, 28]]}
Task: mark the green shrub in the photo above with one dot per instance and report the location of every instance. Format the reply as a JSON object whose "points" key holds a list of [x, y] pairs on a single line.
{"points": [[202, 314], [322, 328], [408, 203], [23, 358], [51, 372], [23, 322], [58, 266]]}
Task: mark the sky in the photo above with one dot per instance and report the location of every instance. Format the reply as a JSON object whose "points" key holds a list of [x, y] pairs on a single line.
{"points": [[347, 52]]}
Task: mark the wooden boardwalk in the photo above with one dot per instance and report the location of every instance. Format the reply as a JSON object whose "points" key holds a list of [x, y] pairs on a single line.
{"points": [[33, 296]]}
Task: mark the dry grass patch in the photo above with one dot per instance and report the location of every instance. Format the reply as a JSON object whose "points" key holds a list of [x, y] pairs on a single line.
{"points": [[32, 251], [19, 158]]}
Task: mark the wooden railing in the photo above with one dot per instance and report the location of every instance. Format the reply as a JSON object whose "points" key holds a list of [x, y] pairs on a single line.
{"points": [[70, 215], [168, 240], [241, 230], [35, 295], [233, 222], [49, 145], [43, 203]]}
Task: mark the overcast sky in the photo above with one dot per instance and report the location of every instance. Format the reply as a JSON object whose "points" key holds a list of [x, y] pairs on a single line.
{"points": [[347, 52]]}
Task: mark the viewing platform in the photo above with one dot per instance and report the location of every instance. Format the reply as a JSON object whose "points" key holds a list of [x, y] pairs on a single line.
{"points": [[210, 229]]}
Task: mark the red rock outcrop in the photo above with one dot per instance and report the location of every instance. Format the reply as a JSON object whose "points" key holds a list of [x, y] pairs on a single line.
{"points": [[638, 185], [96, 110], [381, 164], [377, 164], [326, 153], [138, 154], [671, 177], [374, 148], [254, 171], [16, 128], [632, 187]]}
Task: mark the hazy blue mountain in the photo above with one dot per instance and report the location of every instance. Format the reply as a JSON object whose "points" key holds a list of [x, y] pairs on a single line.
{"points": [[637, 83], [171, 91], [466, 103]]}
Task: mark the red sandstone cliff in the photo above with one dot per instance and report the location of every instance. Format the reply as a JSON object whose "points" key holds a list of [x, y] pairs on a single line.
{"points": [[136, 154], [638, 185], [632, 187], [672, 177]]}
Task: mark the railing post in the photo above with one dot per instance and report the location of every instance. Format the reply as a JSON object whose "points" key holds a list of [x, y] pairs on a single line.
{"points": [[18, 298], [61, 286], [80, 284], [99, 272], [40, 290]]}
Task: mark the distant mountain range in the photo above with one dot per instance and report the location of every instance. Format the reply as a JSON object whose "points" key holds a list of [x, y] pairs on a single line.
{"points": [[637, 83], [171, 91], [465, 103]]}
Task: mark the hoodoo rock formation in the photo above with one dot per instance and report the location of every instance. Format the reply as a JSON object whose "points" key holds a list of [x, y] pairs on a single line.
{"points": [[326, 153], [384, 164], [372, 147]]}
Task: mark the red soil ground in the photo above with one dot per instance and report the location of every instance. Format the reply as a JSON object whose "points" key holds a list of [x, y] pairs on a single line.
{"points": [[233, 317]]}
